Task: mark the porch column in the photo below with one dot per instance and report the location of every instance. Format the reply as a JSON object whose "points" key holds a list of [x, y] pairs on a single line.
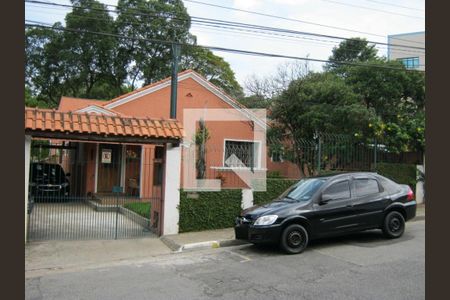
{"points": [[27, 172], [172, 180]]}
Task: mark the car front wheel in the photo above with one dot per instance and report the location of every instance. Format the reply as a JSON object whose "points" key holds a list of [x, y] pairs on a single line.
{"points": [[393, 225], [294, 239]]}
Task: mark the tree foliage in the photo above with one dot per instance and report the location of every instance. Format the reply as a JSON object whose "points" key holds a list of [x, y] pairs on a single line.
{"points": [[385, 103], [353, 50], [73, 63], [263, 89], [318, 102]]}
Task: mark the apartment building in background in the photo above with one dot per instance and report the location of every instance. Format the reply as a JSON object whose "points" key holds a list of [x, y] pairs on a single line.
{"points": [[412, 58]]}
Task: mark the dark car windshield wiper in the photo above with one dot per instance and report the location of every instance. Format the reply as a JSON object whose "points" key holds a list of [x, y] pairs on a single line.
{"points": [[290, 198]]}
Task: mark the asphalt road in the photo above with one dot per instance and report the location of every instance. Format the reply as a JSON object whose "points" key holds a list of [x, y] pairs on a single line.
{"points": [[361, 266]]}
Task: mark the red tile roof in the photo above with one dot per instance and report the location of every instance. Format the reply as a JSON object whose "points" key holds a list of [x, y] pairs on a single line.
{"points": [[84, 123]]}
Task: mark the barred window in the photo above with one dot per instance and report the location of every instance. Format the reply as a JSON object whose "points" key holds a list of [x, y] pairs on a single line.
{"points": [[240, 154]]}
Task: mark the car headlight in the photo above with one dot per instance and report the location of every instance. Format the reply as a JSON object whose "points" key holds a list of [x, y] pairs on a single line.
{"points": [[266, 220]]}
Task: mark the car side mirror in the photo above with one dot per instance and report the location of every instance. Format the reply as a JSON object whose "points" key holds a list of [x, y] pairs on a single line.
{"points": [[325, 199]]}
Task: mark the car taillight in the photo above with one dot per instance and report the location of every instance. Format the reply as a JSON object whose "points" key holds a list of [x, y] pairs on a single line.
{"points": [[410, 195]]}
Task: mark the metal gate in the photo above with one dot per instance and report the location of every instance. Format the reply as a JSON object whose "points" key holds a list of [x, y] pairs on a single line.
{"points": [[82, 191]]}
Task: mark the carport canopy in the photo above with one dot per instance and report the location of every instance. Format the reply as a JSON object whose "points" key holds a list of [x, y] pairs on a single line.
{"points": [[53, 124], [102, 128]]}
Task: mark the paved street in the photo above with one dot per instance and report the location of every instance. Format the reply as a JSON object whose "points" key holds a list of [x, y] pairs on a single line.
{"points": [[362, 266]]}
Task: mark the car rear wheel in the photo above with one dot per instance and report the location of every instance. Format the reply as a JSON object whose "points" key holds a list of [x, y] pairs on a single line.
{"points": [[294, 239], [393, 225]]}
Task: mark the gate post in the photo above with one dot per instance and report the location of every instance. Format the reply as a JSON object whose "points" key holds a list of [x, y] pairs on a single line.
{"points": [[27, 173], [172, 181]]}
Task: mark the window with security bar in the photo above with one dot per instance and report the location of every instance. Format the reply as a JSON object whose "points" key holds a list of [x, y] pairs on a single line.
{"points": [[241, 154]]}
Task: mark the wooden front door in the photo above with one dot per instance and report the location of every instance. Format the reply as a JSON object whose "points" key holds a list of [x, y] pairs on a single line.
{"points": [[109, 164], [132, 170]]}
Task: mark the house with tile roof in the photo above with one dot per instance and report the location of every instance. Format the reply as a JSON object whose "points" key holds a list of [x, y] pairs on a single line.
{"points": [[153, 101], [127, 141]]}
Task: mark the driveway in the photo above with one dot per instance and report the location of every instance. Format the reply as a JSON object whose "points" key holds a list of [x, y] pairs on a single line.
{"points": [[79, 221]]}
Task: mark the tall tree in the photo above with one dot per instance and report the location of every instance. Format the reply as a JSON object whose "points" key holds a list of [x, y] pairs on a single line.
{"points": [[395, 94], [214, 68], [78, 64], [90, 64], [44, 69], [319, 102], [351, 50], [151, 20], [264, 89], [73, 63]]}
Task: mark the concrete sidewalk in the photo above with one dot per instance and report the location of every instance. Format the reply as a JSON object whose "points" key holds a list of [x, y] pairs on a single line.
{"points": [[51, 256], [420, 212]]}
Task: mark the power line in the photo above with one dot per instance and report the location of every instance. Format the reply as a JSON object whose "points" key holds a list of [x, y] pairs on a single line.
{"points": [[216, 22], [289, 19], [395, 5], [254, 33], [295, 37], [272, 35], [229, 50], [373, 9]]}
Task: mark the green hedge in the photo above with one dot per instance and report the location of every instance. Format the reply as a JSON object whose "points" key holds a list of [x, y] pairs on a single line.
{"points": [[141, 208], [274, 188], [209, 210], [400, 173]]}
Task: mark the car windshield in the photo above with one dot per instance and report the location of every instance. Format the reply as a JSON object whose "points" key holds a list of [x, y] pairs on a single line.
{"points": [[46, 173], [304, 189]]}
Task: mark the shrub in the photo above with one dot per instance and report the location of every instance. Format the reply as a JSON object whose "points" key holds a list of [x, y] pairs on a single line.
{"points": [[209, 210], [141, 208], [400, 173], [274, 174], [274, 188]]}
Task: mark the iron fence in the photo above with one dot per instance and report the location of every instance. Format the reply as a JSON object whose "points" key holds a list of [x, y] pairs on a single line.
{"points": [[94, 191], [334, 152], [289, 158]]}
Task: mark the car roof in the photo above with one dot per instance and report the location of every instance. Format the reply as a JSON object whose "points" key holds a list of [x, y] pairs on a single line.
{"points": [[328, 176]]}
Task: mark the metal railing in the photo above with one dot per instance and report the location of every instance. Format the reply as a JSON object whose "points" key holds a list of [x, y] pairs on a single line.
{"points": [[76, 193]]}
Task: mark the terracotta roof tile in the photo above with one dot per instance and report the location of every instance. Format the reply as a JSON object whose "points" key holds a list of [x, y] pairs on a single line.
{"points": [[59, 121]]}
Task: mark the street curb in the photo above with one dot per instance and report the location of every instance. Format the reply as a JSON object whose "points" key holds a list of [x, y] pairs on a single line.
{"points": [[214, 244], [200, 245], [171, 244]]}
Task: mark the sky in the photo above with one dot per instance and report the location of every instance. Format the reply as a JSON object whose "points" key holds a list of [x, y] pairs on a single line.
{"points": [[378, 17]]}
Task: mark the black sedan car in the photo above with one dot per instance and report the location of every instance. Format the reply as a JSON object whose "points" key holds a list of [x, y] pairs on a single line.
{"points": [[48, 182], [320, 207]]}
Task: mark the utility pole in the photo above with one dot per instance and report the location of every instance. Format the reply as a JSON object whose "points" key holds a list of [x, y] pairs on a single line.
{"points": [[174, 81]]}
